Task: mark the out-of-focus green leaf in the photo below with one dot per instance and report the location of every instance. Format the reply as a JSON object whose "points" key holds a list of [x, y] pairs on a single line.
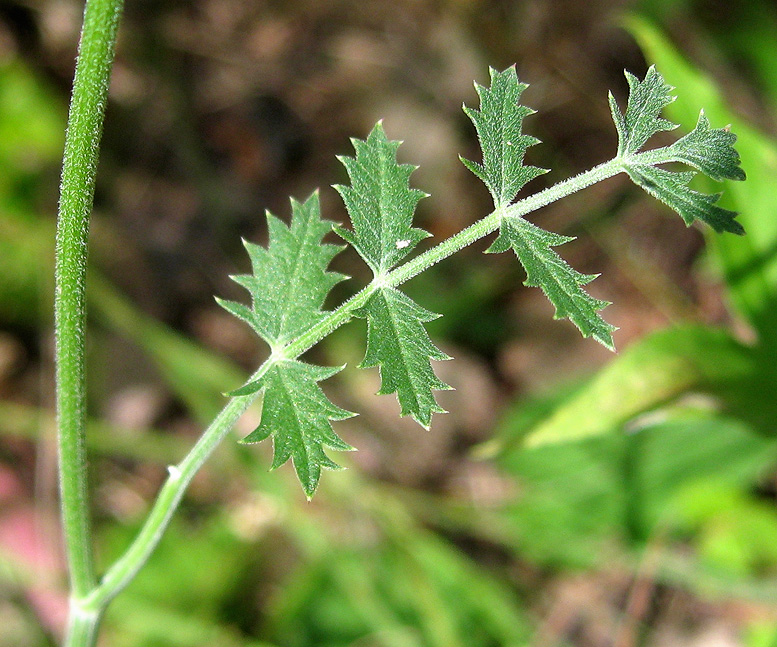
{"points": [[735, 534], [751, 38], [31, 138], [483, 604], [749, 262], [576, 497], [652, 372], [32, 122], [377, 576], [745, 38], [178, 578], [26, 251], [688, 448], [761, 634], [138, 622], [179, 598], [525, 415]]}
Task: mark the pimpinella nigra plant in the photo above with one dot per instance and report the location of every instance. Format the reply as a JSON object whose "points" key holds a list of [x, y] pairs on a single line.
{"points": [[290, 281]]}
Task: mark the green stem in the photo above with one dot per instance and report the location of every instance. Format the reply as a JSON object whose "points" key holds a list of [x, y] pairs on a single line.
{"points": [[491, 222], [448, 247], [126, 567], [79, 166], [82, 626], [123, 570]]}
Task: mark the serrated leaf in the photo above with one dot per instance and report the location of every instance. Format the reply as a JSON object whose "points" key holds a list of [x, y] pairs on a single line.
{"points": [[548, 271], [647, 98], [671, 187], [289, 281], [498, 124], [710, 150], [748, 265], [379, 202], [398, 343], [296, 415]]}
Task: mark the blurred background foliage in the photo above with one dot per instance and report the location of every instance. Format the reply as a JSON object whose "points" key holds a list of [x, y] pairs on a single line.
{"points": [[570, 498]]}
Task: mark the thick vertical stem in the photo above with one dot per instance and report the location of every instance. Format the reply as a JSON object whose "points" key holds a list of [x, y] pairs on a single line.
{"points": [[82, 142], [82, 627]]}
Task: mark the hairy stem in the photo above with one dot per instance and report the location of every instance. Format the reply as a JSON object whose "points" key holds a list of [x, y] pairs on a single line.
{"points": [[79, 168], [491, 222], [448, 247], [87, 109], [123, 570], [126, 567]]}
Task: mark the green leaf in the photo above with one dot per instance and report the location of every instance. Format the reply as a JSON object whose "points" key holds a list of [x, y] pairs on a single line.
{"points": [[296, 415], [547, 270], [289, 281], [380, 202], [498, 124], [671, 187], [398, 342], [647, 99], [656, 370], [709, 150], [748, 262], [576, 495]]}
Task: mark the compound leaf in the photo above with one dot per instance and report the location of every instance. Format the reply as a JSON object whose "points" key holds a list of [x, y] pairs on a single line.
{"points": [[647, 98], [548, 271], [296, 415], [709, 150], [398, 343], [498, 124], [379, 202], [289, 281]]}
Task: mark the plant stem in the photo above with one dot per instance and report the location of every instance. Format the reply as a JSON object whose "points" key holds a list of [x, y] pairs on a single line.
{"points": [[79, 166], [448, 247], [491, 222], [82, 627], [125, 568]]}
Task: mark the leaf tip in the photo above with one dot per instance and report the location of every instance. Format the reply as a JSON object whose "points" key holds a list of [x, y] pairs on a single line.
{"points": [[426, 422], [607, 340], [247, 389], [735, 227]]}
